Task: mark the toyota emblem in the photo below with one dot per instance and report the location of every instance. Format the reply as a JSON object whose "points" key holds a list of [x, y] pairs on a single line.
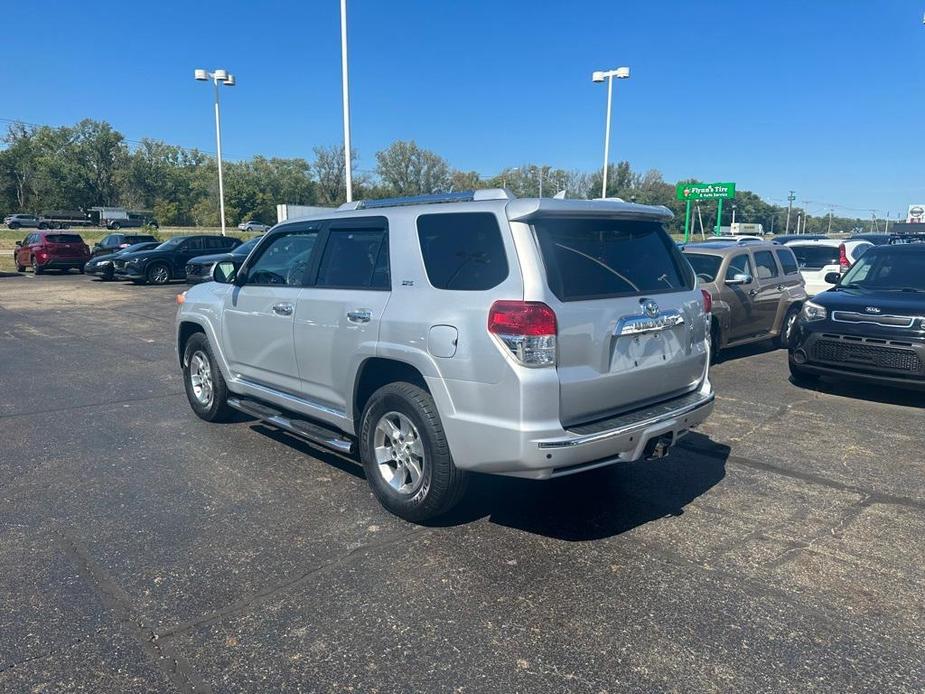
{"points": [[650, 308]]}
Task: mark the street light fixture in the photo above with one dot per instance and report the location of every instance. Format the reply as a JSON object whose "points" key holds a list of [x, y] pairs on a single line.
{"points": [[621, 73], [218, 77]]}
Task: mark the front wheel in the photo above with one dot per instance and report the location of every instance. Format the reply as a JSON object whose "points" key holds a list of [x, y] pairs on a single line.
{"points": [[203, 380], [406, 456], [785, 335], [158, 273], [19, 268]]}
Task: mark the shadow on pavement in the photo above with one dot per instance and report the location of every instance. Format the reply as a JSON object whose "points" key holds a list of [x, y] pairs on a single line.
{"points": [[745, 351], [862, 391]]}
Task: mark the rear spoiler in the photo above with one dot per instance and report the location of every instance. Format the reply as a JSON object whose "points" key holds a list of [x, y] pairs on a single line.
{"points": [[528, 210]]}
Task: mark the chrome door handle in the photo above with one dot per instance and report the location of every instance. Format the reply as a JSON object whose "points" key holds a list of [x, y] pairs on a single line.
{"points": [[359, 316], [283, 309]]}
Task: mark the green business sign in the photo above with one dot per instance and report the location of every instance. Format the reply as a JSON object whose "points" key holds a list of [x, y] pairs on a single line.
{"points": [[706, 191]]}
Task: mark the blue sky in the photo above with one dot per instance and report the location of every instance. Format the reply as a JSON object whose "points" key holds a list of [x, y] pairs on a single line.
{"points": [[824, 97]]}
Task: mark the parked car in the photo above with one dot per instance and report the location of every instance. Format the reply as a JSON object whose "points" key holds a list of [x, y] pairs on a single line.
{"points": [[168, 261], [818, 258], [757, 291], [253, 225], [115, 242], [874, 238], [460, 332], [781, 239], [102, 265], [21, 221], [199, 269], [46, 250], [870, 326]]}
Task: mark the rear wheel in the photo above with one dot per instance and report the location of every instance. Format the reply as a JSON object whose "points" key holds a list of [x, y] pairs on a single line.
{"points": [[35, 267], [715, 341], [158, 273], [205, 386], [406, 455], [787, 327]]}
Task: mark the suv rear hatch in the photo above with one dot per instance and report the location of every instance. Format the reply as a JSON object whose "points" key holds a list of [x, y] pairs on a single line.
{"points": [[65, 245], [630, 322]]}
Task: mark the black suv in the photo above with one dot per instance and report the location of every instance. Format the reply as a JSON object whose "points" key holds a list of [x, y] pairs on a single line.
{"points": [[168, 261], [111, 243], [870, 326]]}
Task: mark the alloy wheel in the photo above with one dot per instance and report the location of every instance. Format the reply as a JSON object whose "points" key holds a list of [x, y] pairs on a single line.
{"points": [[399, 453], [200, 376]]}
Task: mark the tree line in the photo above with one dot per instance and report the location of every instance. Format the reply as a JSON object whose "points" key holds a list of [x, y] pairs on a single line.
{"points": [[44, 168]]}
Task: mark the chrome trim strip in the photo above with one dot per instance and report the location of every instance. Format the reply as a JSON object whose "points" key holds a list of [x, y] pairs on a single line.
{"points": [[636, 325], [619, 431], [873, 318], [292, 398]]}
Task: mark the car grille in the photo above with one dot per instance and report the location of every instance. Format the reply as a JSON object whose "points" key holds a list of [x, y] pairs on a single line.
{"points": [[856, 352], [886, 321]]}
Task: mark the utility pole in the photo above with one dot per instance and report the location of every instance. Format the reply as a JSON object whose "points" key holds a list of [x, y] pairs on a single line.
{"points": [[830, 223], [790, 199], [345, 88], [886, 225]]}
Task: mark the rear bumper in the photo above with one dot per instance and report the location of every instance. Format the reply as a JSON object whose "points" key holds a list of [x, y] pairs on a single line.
{"points": [[521, 451], [61, 263]]}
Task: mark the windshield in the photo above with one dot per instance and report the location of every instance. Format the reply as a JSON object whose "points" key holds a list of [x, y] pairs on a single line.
{"points": [[705, 266], [890, 270], [600, 258], [171, 243]]}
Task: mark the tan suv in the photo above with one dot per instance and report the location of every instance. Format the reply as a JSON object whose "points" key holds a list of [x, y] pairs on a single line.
{"points": [[757, 290]]}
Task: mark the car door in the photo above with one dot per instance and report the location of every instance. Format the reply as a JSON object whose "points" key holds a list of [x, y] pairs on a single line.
{"points": [[740, 297], [257, 323], [23, 251], [187, 250], [337, 316], [770, 289]]}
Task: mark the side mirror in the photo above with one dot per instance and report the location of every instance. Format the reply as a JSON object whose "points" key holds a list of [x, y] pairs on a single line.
{"points": [[739, 278], [19, 243], [833, 277], [225, 272]]}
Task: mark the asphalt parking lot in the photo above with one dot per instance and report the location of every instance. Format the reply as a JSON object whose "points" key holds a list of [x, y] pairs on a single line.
{"points": [[142, 549]]}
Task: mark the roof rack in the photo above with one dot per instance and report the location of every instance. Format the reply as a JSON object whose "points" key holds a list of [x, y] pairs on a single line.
{"points": [[432, 199]]}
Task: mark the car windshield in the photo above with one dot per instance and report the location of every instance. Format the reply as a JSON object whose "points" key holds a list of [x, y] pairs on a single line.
{"points": [[705, 267], [246, 247], [171, 243], [63, 238], [897, 270]]}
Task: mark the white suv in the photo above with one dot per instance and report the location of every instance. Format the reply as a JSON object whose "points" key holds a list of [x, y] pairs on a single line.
{"points": [[455, 333], [819, 257]]}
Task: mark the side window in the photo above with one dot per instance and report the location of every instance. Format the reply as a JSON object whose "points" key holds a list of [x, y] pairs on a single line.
{"points": [[739, 266], [354, 259], [214, 243], [284, 260], [788, 261], [104, 242], [462, 250], [764, 262], [193, 244]]}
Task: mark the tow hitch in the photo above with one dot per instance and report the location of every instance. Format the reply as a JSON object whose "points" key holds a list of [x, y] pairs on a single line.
{"points": [[658, 447]]}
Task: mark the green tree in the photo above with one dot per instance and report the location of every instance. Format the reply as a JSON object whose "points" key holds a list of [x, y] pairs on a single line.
{"points": [[406, 169]]}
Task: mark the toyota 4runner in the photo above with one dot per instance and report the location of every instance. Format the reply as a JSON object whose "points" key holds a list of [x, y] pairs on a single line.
{"points": [[440, 335]]}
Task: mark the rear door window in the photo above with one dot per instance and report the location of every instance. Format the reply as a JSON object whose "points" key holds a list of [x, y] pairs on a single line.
{"points": [[787, 261], [602, 258], [739, 265], [354, 259], [765, 266], [462, 251]]}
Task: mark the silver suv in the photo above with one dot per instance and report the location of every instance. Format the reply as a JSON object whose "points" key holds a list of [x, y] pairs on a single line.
{"points": [[441, 335]]}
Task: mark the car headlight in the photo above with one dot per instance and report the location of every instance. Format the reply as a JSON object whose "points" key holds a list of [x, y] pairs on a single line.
{"points": [[813, 312]]}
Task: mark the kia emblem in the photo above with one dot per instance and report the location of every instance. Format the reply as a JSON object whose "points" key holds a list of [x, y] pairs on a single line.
{"points": [[872, 309]]}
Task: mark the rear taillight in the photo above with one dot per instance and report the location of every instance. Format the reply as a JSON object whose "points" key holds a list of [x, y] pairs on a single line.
{"points": [[707, 301], [527, 329], [843, 257]]}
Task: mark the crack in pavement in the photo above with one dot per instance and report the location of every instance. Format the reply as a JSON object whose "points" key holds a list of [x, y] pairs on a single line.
{"points": [[5, 667], [245, 604], [170, 663]]}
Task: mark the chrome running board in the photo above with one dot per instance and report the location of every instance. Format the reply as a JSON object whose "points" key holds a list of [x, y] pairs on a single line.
{"points": [[302, 428]]}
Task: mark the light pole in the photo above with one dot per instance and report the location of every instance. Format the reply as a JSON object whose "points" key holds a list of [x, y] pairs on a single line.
{"points": [[219, 77], [345, 88], [621, 73], [733, 223]]}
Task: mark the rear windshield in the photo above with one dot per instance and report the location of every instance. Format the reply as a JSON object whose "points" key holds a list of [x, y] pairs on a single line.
{"points": [[705, 266], [601, 258], [64, 238], [815, 257]]}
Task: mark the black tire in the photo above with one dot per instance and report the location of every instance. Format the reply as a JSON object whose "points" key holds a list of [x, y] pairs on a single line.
{"points": [[441, 483], [19, 268], [43, 226], [715, 341], [216, 409], [787, 327], [158, 273], [14, 225], [800, 377], [115, 226], [35, 268], [107, 274]]}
